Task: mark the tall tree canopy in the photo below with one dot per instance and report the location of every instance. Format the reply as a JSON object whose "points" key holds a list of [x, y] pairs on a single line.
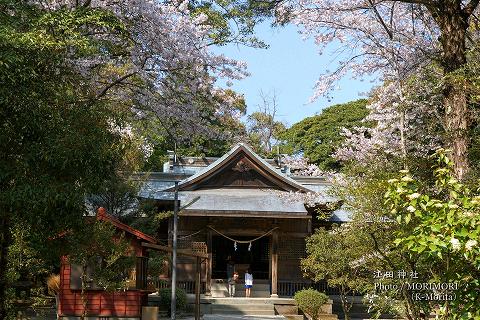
{"points": [[393, 39], [74, 76], [57, 143], [319, 136], [166, 68]]}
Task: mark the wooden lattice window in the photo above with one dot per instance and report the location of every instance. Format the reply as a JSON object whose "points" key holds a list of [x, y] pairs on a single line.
{"points": [[199, 247], [194, 246], [291, 248]]}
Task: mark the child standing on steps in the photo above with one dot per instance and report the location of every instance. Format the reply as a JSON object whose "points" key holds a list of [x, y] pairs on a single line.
{"points": [[231, 284], [248, 283]]}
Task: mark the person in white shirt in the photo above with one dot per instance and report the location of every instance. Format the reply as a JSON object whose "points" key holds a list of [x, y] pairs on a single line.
{"points": [[248, 283]]}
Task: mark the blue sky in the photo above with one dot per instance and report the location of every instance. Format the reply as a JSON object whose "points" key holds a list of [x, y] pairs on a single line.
{"points": [[289, 67]]}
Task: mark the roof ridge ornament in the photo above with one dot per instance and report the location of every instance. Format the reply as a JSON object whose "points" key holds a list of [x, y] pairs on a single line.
{"points": [[242, 166], [255, 163]]}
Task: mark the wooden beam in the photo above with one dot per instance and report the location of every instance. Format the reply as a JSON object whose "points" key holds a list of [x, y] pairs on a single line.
{"points": [[239, 214], [141, 270], [249, 232], [274, 264], [209, 266], [181, 252], [197, 288]]}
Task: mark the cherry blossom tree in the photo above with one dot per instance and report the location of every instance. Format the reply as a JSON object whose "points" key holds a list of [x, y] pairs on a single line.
{"points": [[69, 71], [165, 68], [393, 39], [407, 122]]}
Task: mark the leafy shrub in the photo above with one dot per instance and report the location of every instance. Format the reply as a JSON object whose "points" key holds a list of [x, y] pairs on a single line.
{"points": [[165, 299], [156, 264], [310, 301]]}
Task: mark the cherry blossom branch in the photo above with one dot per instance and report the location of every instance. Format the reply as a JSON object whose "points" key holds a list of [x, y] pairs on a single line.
{"points": [[380, 19], [113, 84]]}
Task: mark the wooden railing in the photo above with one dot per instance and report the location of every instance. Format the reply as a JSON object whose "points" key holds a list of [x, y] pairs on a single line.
{"points": [[285, 288], [187, 286], [288, 288]]}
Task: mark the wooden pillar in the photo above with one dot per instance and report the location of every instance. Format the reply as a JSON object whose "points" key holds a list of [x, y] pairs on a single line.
{"points": [[208, 288], [170, 243], [274, 263], [141, 271], [198, 283]]}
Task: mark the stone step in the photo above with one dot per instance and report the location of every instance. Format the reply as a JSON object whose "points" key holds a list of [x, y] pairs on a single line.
{"points": [[243, 311], [239, 300], [326, 316], [242, 306], [246, 307], [254, 294], [240, 317], [260, 291], [321, 316], [293, 316], [219, 293]]}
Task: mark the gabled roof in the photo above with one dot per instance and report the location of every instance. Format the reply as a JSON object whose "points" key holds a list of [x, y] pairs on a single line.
{"points": [[104, 216], [282, 181]]}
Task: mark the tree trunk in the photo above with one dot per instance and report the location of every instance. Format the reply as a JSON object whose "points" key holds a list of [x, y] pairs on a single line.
{"points": [[5, 240], [345, 304], [457, 122], [83, 293], [453, 23]]}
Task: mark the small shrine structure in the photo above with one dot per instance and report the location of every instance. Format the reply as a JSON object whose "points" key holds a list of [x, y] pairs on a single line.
{"points": [[125, 303], [240, 213]]}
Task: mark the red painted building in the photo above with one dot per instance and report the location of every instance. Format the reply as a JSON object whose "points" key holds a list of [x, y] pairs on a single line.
{"points": [[119, 304]]}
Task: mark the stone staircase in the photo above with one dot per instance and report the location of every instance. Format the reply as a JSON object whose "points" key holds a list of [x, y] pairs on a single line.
{"points": [[242, 306], [251, 307], [257, 307], [261, 289]]}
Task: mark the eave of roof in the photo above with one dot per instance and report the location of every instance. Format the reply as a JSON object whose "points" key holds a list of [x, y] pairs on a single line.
{"points": [[244, 214], [240, 201], [104, 216]]}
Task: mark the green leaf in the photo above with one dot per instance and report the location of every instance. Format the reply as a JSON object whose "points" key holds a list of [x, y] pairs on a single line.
{"points": [[408, 217]]}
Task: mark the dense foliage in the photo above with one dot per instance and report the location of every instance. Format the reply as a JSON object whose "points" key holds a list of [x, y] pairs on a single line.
{"points": [[104, 257], [57, 142], [310, 301], [318, 137], [441, 226], [343, 264], [77, 78], [395, 40], [166, 296]]}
